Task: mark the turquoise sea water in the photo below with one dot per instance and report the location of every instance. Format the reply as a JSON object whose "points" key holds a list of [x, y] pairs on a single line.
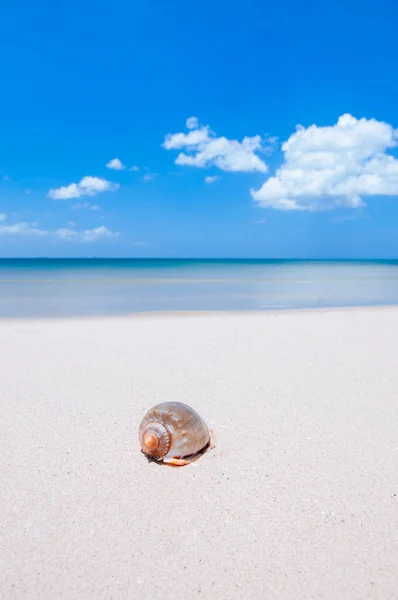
{"points": [[68, 287]]}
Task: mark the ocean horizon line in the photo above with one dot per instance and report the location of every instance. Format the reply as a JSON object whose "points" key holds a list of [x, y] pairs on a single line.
{"points": [[195, 259]]}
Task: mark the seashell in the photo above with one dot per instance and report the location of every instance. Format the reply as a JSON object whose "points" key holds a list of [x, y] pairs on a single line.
{"points": [[174, 433]]}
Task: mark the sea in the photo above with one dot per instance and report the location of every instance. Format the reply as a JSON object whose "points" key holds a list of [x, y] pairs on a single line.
{"points": [[93, 287]]}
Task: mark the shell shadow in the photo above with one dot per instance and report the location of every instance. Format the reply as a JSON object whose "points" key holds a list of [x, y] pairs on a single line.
{"points": [[192, 458]]}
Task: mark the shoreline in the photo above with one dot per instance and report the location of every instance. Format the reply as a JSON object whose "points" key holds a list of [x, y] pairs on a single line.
{"points": [[162, 314]]}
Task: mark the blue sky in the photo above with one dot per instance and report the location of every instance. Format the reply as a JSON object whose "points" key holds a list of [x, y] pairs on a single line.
{"points": [[83, 83]]}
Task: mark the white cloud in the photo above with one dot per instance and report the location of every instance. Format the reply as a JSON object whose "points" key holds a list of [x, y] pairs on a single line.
{"points": [[211, 179], [32, 229], [206, 149], [339, 165], [26, 229], [88, 186], [134, 168], [149, 177], [115, 164], [85, 205], [86, 235], [91, 235], [66, 234], [192, 123]]}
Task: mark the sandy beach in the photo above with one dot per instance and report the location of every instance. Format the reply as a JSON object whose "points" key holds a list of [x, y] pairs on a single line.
{"points": [[299, 499]]}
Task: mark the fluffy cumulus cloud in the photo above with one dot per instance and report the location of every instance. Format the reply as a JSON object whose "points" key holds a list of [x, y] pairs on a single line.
{"points": [[86, 235], [339, 165], [192, 123], [204, 149], [211, 179], [32, 229], [88, 186], [25, 229], [115, 164]]}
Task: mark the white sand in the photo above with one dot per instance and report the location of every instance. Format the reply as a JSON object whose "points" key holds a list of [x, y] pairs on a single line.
{"points": [[298, 500]]}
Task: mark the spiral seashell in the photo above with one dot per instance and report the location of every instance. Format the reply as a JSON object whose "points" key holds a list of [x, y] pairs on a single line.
{"points": [[174, 433]]}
